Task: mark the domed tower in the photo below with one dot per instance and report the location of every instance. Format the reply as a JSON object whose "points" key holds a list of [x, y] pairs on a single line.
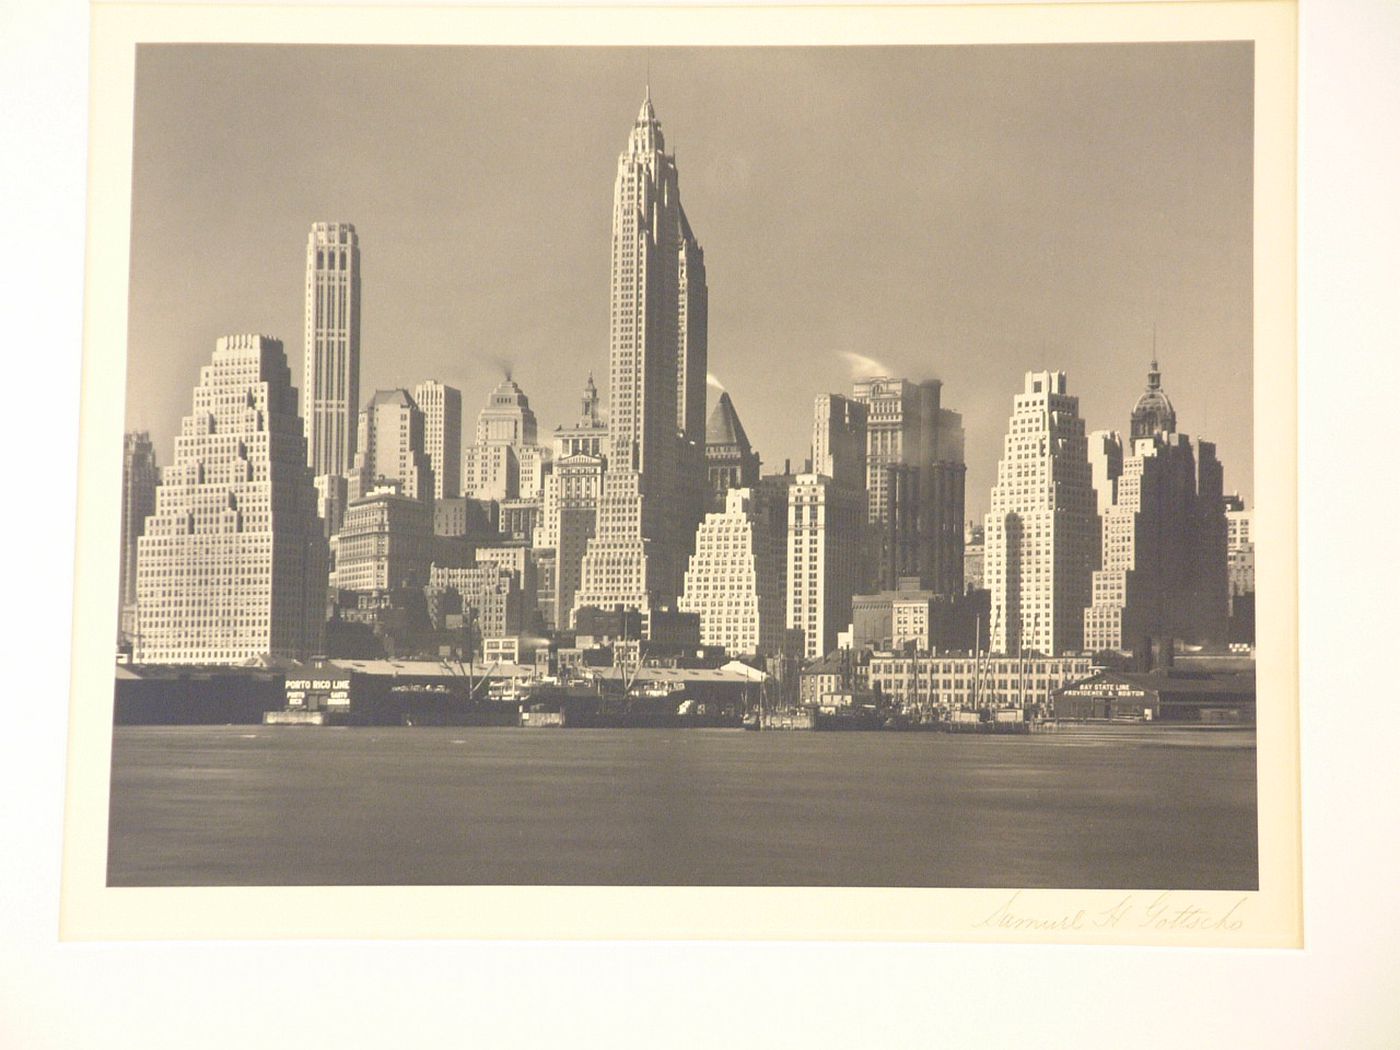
{"points": [[1153, 412]]}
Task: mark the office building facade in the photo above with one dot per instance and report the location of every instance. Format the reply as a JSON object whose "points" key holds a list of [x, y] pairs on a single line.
{"points": [[331, 360], [653, 489], [1040, 543], [392, 448], [232, 564], [441, 406], [915, 483], [733, 582]]}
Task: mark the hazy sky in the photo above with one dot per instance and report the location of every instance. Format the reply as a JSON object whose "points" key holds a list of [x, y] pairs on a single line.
{"points": [[968, 213]]}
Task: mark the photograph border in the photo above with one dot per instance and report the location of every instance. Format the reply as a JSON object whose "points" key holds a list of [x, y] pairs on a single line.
{"points": [[1270, 916]]}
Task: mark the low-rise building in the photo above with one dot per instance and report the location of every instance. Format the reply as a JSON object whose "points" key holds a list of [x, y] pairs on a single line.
{"points": [[1166, 695], [965, 682], [891, 620], [490, 594]]}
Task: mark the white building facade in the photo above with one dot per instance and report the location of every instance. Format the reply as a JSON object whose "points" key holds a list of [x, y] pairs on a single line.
{"points": [[826, 520], [391, 448], [734, 581], [232, 564], [1040, 531], [441, 406]]}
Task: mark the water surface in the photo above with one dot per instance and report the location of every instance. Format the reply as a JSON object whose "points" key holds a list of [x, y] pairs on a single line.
{"points": [[281, 805]]}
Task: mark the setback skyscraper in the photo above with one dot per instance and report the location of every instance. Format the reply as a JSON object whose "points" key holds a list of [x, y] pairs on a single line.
{"points": [[839, 435], [734, 580], [232, 565], [1040, 530], [654, 486], [505, 429]]}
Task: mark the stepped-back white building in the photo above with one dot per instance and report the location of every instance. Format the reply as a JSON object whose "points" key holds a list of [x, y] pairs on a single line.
{"points": [[232, 565], [734, 579], [1040, 531]]}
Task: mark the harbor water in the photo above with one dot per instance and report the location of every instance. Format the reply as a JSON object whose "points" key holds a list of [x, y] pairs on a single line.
{"points": [[1126, 807]]}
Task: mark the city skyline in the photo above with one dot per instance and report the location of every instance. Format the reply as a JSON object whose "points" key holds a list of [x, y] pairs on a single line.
{"points": [[1178, 253]]}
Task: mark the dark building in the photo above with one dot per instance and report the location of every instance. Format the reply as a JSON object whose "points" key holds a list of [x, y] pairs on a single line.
{"points": [[915, 484], [1167, 695], [140, 476], [177, 695], [477, 520]]}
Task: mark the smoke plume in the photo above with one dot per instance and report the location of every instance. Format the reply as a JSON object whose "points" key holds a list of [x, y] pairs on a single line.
{"points": [[862, 366]]}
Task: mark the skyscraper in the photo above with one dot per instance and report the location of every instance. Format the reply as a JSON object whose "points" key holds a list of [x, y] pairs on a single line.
{"points": [[505, 428], [589, 434], [1210, 578], [733, 581], [1040, 529], [1140, 590], [1164, 564], [839, 436], [442, 434], [140, 476], [331, 369], [730, 461], [507, 418], [825, 521], [915, 480], [1239, 524], [654, 486], [825, 524], [232, 565], [1105, 466], [391, 448], [569, 514]]}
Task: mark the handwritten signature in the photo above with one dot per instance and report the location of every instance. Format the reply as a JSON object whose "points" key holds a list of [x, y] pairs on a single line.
{"points": [[1166, 911]]}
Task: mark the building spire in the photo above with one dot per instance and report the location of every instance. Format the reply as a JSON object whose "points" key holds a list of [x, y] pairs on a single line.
{"points": [[590, 401], [1154, 374]]}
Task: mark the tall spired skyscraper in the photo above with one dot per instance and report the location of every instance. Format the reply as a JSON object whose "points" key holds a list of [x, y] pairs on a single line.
{"points": [[653, 491], [331, 367]]}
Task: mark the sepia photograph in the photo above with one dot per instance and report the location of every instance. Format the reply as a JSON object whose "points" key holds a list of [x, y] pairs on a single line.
{"points": [[659, 466], [699, 526]]}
